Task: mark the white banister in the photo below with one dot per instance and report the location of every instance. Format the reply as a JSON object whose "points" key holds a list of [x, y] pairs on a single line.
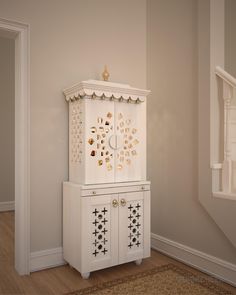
{"points": [[228, 177], [225, 76]]}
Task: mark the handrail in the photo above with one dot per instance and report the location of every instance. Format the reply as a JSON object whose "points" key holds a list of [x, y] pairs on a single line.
{"points": [[225, 76]]}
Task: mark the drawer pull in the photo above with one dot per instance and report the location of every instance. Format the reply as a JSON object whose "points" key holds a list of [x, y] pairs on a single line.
{"points": [[123, 202], [94, 192], [143, 188], [115, 203]]}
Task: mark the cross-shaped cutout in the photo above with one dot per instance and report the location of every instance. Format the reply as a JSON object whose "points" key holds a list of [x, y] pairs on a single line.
{"points": [[95, 211], [104, 231], [130, 207], [104, 221], [130, 226], [130, 245], [95, 222], [95, 243], [95, 253], [104, 210], [95, 232], [104, 251], [138, 225]]}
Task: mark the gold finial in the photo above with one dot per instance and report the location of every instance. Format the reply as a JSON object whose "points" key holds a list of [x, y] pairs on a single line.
{"points": [[105, 74]]}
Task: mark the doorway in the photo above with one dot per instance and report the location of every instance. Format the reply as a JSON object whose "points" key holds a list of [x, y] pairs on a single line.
{"points": [[19, 34], [7, 155]]}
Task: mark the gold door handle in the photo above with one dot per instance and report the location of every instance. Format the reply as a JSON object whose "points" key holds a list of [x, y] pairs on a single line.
{"points": [[115, 203], [123, 202]]}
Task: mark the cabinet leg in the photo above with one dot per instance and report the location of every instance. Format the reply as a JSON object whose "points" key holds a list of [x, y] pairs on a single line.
{"points": [[85, 275], [138, 261]]}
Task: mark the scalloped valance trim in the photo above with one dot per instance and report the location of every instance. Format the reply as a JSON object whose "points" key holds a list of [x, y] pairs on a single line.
{"points": [[104, 95], [105, 90]]}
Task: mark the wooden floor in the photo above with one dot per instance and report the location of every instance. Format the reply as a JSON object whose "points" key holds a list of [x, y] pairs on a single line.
{"points": [[61, 280]]}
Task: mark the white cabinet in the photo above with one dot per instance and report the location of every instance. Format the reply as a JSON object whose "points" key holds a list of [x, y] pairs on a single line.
{"points": [[106, 203], [107, 132], [101, 230]]}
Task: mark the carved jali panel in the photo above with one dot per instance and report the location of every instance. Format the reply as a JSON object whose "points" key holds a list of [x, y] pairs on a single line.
{"points": [[76, 132], [135, 225], [100, 231]]}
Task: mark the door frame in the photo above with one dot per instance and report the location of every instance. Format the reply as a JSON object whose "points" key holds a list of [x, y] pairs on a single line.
{"points": [[20, 33]]}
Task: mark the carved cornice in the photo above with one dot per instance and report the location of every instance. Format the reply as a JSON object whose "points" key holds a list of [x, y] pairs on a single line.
{"points": [[105, 90]]}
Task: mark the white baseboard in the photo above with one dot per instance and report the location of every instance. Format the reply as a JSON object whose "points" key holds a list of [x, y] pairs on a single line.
{"points": [[46, 259], [214, 266], [7, 206]]}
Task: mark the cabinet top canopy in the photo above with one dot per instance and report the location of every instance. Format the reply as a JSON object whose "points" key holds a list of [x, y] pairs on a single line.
{"points": [[103, 90]]}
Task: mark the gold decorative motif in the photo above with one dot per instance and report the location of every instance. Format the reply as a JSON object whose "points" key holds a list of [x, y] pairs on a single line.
{"points": [[109, 167], [91, 141], [100, 120], [93, 153], [109, 115], [93, 129], [105, 74], [100, 162]]}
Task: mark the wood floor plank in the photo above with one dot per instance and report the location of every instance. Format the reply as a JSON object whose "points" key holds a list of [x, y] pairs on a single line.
{"points": [[63, 279]]}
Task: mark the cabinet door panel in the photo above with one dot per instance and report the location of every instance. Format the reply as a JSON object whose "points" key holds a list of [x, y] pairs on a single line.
{"points": [[130, 131], [99, 233], [99, 128], [133, 221]]}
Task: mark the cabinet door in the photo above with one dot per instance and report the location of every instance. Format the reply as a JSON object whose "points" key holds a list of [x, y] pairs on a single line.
{"points": [[99, 232], [134, 226], [99, 129], [130, 130]]}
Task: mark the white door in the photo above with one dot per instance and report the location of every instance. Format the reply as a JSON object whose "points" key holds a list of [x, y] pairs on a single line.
{"points": [[134, 226], [99, 232], [99, 129], [129, 130]]}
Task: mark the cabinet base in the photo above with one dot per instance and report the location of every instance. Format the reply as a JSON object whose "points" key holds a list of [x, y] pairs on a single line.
{"points": [[85, 275], [138, 261]]}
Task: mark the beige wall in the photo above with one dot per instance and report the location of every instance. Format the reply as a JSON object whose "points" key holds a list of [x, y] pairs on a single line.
{"points": [[70, 41], [173, 129], [7, 179], [230, 40]]}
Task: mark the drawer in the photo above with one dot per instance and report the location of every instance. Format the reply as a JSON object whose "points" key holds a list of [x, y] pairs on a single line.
{"points": [[114, 190]]}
